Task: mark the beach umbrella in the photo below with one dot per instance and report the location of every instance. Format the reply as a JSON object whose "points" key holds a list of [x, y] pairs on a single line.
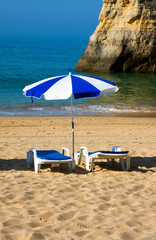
{"points": [[65, 86]]}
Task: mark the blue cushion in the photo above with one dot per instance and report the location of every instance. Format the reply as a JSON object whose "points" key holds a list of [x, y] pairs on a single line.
{"points": [[110, 152], [51, 155]]}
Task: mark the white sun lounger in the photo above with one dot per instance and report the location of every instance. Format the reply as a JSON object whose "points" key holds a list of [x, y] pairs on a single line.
{"points": [[90, 157], [53, 157]]}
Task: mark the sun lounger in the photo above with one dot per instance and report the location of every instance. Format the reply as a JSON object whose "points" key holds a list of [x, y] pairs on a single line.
{"points": [[53, 157], [116, 153]]}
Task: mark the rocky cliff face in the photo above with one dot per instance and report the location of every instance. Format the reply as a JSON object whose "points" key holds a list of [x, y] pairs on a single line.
{"points": [[125, 39]]}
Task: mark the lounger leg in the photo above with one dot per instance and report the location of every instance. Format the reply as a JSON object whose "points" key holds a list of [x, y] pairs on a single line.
{"points": [[69, 165], [112, 161], [76, 158], [108, 162], [79, 156], [28, 159], [37, 166], [92, 163], [128, 162], [87, 163], [83, 152], [122, 164]]}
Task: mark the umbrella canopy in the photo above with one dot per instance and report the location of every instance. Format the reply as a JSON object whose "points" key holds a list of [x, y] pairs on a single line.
{"points": [[63, 87]]}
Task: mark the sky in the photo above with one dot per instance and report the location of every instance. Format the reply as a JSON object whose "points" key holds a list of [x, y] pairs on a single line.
{"points": [[35, 17]]}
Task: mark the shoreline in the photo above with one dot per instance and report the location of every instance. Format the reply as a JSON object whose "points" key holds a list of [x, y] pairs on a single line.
{"points": [[43, 109], [123, 114]]}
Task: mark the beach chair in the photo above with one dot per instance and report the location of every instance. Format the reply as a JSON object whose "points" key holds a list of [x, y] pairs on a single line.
{"points": [[90, 157], [53, 157]]}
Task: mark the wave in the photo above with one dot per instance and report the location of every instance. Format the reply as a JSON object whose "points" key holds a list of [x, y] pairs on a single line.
{"points": [[79, 110]]}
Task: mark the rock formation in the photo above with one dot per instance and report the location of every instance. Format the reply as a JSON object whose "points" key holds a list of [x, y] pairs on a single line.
{"points": [[124, 40]]}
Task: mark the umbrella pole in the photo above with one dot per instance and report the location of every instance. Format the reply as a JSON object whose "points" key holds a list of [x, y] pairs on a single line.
{"points": [[72, 128]]}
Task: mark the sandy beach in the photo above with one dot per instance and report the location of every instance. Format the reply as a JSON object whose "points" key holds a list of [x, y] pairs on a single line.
{"points": [[107, 203]]}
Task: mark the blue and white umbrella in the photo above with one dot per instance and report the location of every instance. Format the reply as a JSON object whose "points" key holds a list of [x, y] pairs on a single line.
{"points": [[63, 87]]}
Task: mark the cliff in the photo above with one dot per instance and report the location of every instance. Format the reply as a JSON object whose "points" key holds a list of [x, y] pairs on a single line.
{"points": [[124, 40]]}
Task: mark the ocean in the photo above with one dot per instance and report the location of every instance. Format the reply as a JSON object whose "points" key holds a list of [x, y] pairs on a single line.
{"points": [[25, 60]]}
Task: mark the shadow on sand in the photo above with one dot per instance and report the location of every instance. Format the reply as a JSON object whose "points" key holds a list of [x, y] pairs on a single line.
{"points": [[13, 164], [21, 165], [141, 164]]}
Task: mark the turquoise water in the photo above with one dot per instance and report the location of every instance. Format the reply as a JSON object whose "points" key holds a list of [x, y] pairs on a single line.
{"points": [[26, 60]]}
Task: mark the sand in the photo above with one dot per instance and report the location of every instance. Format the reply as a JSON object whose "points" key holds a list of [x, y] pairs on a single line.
{"points": [[107, 203]]}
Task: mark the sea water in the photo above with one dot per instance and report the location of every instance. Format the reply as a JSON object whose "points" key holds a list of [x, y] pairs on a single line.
{"points": [[25, 60]]}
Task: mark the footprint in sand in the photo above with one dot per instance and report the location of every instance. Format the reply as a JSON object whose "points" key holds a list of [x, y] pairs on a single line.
{"points": [[104, 206], [43, 219], [36, 236], [10, 237], [66, 216], [77, 227], [81, 233], [129, 235], [13, 222]]}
